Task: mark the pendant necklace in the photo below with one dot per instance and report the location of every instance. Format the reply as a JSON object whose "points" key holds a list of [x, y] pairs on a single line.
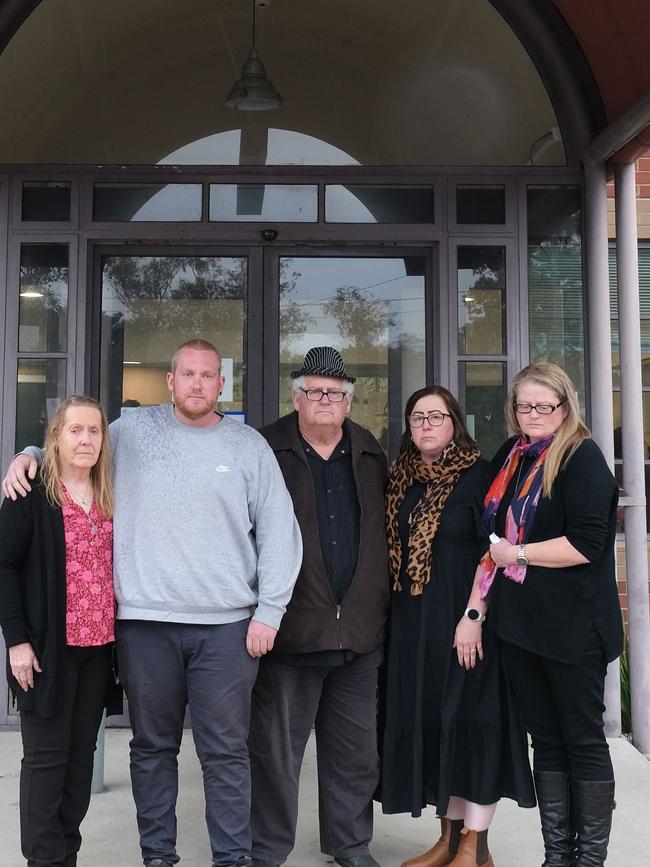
{"points": [[85, 501]]}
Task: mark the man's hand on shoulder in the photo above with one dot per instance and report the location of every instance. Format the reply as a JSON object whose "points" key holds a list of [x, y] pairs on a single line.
{"points": [[259, 638], [22, 468]]}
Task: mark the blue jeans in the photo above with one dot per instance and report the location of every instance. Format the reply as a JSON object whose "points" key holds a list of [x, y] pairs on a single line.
{"points": [[165, 667]]}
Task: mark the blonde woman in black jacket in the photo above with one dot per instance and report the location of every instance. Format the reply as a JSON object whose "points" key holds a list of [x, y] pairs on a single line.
{"points": [[551, 587]]}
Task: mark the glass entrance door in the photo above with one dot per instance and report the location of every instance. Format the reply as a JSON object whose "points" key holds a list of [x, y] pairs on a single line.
{"points": [[152, 303], [374, 308]]}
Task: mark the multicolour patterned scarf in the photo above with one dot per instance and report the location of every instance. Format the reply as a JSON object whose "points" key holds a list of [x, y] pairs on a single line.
{"points": [[521, 511]]}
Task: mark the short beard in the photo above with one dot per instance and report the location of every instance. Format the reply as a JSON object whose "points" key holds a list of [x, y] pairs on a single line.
{"points": [[191, 413]]}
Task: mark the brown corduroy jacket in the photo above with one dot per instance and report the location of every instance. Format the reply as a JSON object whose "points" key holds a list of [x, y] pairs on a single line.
{"points": [[313, 620]]}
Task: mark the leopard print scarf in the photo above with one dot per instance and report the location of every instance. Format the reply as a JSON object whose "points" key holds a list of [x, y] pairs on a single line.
{"points": [[441, 477]]}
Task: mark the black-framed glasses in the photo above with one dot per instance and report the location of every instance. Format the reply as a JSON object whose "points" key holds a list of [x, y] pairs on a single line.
{"points": [[316, 394], [435, 418], [540, 408]]}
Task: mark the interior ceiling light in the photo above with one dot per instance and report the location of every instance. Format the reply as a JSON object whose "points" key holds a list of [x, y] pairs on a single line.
{"points": [[253, 91], [31, 293]]}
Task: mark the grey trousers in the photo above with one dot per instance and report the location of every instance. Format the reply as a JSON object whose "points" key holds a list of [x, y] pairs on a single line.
{"points": [[341, 701], [164, 667]]}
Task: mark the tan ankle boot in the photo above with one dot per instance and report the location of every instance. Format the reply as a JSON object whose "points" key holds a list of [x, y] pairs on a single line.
{"points": [[473, 845], [442, 853]]}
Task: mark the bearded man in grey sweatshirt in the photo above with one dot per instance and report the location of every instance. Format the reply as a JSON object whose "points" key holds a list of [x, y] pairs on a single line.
{"points": [[206, 553]]}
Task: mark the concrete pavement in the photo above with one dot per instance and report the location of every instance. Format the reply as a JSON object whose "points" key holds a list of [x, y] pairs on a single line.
{"points": [[110, 836]]}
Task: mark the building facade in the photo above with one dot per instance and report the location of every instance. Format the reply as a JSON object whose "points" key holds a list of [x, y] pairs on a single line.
{"points": [[424, 199]]}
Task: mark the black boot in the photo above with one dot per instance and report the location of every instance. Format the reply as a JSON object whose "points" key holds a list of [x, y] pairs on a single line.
{"points": [[552, 789], [593, 802]]}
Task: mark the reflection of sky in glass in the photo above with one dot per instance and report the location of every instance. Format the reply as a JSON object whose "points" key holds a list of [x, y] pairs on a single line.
{"points": [[378, 279], [284, 147], [175, 202], [284, 202], [343, 206]]}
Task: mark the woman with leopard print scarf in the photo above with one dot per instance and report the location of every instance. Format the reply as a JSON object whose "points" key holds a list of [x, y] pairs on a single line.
{"points": [[448, 736]]}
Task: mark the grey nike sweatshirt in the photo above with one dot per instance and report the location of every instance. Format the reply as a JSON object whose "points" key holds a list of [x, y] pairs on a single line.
{"points": [[204, 525]]}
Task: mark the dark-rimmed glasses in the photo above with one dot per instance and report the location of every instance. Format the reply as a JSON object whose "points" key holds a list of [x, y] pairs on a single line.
{"points": [[435, 418], [540, 408], [316, 394]]}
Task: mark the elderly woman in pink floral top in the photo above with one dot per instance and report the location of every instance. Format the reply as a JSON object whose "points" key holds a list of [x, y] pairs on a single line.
{"points": [[57, 614]]}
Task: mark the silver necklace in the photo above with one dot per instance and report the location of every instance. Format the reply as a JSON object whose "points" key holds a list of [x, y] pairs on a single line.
{"points": [[83, 500]]}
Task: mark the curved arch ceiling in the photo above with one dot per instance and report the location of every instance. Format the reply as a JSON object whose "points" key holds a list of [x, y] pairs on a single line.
{"points": [[408, 83]]}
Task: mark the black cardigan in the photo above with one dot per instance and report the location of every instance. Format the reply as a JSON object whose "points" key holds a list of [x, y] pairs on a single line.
{"points": [[33, 596], [552, 612]]}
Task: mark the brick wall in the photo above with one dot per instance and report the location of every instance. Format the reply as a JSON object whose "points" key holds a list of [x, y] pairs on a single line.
{"points": [[621, 577], [643, 178], [643, 200]]}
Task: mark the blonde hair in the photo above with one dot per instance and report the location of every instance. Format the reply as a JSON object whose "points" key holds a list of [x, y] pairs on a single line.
{"points": [[100, 473], [200, 344], [571, 432]]}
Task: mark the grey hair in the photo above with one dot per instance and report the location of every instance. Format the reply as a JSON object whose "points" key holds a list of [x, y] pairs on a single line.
{"points": [[347, 387]]}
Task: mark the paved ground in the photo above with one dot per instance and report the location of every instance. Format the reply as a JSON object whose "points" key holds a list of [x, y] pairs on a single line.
{"points": [[110, 838]]}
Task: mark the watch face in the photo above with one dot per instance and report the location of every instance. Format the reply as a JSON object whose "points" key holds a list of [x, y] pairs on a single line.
{"points": [[472, 614], [522, 561]]}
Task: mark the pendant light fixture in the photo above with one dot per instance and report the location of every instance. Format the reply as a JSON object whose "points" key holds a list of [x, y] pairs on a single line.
{"points": [[253, 91]]}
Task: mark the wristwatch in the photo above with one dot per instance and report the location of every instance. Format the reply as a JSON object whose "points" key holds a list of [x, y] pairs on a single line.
{"points": [[475, 615], [522, 560]]}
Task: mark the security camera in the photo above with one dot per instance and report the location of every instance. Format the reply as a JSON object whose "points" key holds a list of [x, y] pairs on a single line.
{"points": [[269, 234]]}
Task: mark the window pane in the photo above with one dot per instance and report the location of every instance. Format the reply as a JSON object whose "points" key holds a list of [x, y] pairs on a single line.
{"points": [[361, 203], [43, 308], [47, 201], [482, 394], [645, 354], [644, 280], [288, 203], [372, 311], [481, 300], [479, 205], [147, 202], [618, 472], [618, 424], [555, 303], [40, 389], [152, 304]]}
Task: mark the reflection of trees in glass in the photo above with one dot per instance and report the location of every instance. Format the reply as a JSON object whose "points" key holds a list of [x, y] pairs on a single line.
{"points": [[43, 297], [173, 281], [481, 309], [361, 321], [294, 320], [50, 280]]}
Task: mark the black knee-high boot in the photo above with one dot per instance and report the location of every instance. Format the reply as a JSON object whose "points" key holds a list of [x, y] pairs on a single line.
{"points": [[552, 789], [592, 802]]}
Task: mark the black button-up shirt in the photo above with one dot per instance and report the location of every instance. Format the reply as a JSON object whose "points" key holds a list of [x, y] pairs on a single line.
{"points": [[337, 513], [339, 516]]}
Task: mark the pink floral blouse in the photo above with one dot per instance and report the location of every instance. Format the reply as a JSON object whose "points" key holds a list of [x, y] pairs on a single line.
{"points": [[90, 600]]}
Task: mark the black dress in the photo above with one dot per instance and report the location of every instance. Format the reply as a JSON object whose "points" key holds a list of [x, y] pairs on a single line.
{"points": [[447, 731]]}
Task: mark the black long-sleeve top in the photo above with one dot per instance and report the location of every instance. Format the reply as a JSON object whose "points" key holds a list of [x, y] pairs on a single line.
{"points": [[552, 612]]}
